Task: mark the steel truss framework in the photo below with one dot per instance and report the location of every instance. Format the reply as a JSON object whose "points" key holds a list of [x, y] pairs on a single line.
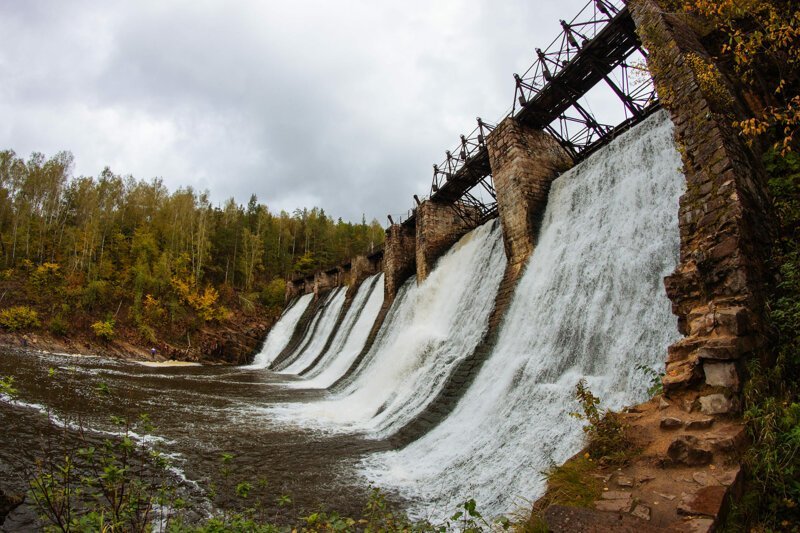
{"points": [[598, 46]]}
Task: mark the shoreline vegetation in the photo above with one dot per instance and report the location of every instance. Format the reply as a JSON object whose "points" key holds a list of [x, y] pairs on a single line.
{"points": [[122, 266]]}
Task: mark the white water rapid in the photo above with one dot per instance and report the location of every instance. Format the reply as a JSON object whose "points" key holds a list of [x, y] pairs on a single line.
{"points": [[328, 316], [281, 332], [350, 338], [431, 328], [591, 303]]}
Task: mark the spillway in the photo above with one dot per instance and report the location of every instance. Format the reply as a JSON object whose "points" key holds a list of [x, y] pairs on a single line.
{"points": [[319, 333], [430, 328], [282, 331], [350, 338], [590, 303]]}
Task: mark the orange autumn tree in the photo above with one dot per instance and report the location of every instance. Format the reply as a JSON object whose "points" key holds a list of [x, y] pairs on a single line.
{"points": [[761, 39]]}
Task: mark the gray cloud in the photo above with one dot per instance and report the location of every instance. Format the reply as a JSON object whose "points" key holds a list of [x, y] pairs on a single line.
{"points": [[344, 105]]}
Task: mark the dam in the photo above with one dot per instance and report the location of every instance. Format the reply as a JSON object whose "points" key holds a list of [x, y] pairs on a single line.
{"points": [[610, 266], [554, 245]]}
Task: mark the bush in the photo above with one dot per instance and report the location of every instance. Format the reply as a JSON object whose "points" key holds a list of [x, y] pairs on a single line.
{"points": [[20, 317], [274, 293], [104, 329], [608, 441], [58, 326], [46, 275]]}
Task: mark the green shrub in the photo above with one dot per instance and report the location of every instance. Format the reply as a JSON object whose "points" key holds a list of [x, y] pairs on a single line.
{"points": [[20, 317], [274, 293], [104, 329], [147, 333], [772, 400], [46, 275], [58, 326], [608, 441]]}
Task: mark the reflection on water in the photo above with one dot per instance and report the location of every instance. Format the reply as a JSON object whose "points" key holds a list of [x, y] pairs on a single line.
{"points": [[200, 412]]}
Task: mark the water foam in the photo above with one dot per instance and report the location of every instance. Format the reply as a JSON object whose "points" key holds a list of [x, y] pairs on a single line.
{"points": [[591, 303], [351, 337], [431, 328], [281, 332], [328, 316]]}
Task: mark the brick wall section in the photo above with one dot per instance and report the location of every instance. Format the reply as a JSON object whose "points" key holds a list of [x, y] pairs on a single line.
{"points": [[718, 288], [399, 258], [294, 289], [327, 280], [438, 228], [524, 163], [360, 269]]}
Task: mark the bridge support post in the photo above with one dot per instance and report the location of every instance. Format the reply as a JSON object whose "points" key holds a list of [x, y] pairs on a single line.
{"points": [[399, 259], [718, 288], [524, 162], [438, 228]]}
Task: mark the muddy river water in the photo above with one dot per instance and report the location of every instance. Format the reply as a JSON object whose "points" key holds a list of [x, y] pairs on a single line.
{"points": [[199, 414]]}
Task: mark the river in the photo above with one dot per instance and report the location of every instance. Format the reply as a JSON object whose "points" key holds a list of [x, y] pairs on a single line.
{"points": [[199, 412]]}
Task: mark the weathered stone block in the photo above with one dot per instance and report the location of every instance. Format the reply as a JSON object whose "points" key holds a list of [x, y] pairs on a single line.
{"points": [[670, 422], [705, 502], [721, 375], [688, 450], [524, 163], [439, 226], [399, 257], [716, 404]]}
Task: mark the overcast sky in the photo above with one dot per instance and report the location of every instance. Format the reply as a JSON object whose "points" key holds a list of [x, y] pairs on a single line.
{"points": [[339, 104]]}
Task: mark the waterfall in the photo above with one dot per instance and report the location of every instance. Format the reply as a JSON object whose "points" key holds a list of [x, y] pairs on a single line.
{"points": [[432, 327], [282, 331], [350, 338], [326, 320], [591, 303]]}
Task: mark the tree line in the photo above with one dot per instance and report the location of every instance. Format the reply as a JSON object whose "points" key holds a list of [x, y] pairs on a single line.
{"points": [[83, 245]]}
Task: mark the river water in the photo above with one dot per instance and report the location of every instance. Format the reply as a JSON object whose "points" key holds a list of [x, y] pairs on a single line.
{"points": [[200, 413]]}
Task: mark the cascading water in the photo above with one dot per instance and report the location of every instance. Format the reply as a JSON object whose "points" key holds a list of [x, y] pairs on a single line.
{"points": [[350, 338], [591, 303], [326, 322], [281, 332], [432, 327]]}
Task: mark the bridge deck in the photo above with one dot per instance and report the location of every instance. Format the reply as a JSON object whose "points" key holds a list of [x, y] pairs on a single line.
{"points": [[612, 45]]}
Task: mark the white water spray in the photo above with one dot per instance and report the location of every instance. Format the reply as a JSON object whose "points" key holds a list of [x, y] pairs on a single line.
{"points": [[351, 337], [281, 332], [326, 321], [432, 327], [591, 303]]}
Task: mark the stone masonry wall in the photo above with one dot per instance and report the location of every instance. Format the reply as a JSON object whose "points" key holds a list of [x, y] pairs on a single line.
{"points": [[718, 288], [524, 163], [360, 269], [399, 258], [438, 228]]}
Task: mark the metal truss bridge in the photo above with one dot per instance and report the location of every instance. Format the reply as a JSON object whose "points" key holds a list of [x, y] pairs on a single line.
{"points": [[598, 49]]}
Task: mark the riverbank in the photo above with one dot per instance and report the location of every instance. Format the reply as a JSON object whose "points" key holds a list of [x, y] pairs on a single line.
{"points": [[234, 342]]}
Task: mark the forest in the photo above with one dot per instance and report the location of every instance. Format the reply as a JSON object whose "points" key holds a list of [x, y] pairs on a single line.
{"points": [[112, 256]]}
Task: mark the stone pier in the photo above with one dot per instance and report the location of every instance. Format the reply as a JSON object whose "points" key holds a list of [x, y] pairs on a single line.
{"points": [[326, 280], [438, 228], [362, 267], [718, 288], [399, 258], [524, 163]]}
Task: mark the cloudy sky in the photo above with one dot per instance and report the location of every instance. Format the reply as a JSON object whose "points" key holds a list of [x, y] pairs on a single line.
{"points": [[340, 104]]}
